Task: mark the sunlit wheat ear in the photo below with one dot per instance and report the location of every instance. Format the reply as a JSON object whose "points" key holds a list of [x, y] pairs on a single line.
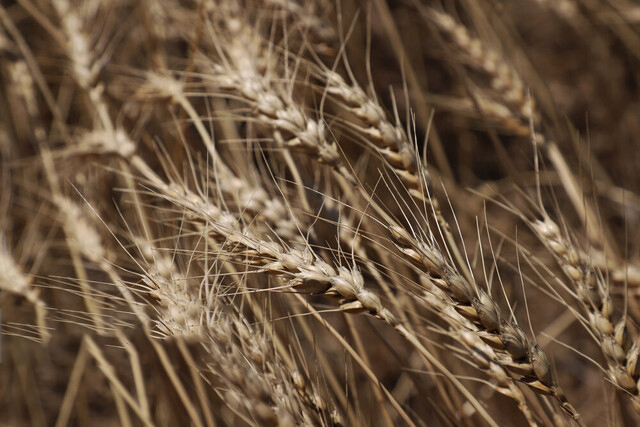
{"points": [[482, 355], [303, 270], [303, 266], [256, 76], [517, 353], [594, 296], [397, 148]]}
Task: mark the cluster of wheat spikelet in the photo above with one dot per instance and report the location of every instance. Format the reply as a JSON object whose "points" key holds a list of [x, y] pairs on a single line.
{"points": [[308, 212]]}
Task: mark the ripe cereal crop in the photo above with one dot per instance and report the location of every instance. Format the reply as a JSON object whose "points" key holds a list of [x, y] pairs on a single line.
{"points": [[319, 212]]}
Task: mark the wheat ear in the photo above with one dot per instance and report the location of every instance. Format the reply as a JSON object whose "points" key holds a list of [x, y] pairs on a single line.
{"points": [[517, 354], [594, 296]]}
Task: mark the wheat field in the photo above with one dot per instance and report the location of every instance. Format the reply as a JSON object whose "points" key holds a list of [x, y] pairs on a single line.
{"points": [[319, 212]]}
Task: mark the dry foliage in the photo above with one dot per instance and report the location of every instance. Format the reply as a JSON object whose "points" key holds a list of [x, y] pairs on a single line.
{"points": [[306, 212]]}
